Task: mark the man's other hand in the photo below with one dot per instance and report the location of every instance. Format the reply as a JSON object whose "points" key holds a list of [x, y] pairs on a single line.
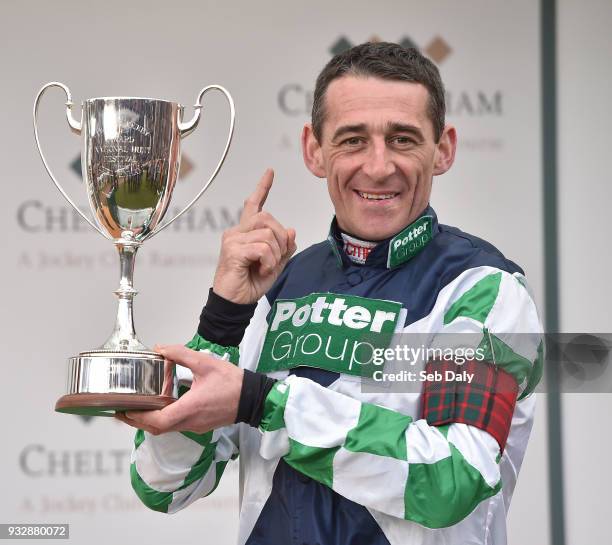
{"points": [[254, 252], [212, 401]]}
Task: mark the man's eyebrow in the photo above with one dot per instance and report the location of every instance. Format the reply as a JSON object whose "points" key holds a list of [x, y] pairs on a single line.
{"points": [[391, 127], [404, 127], [344, 129]]}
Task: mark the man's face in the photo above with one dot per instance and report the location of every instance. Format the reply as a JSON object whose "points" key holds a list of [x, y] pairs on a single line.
{"points": [[378, 153]]}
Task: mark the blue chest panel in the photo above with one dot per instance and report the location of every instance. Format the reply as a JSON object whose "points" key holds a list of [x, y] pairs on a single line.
{"points": [[301, 511]]}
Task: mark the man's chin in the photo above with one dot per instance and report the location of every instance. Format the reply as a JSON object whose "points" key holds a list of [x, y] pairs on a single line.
{"points": [[373, 227], [375, 233]]}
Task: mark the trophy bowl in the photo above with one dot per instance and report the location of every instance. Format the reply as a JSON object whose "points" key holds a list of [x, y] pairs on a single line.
{"points": [[130, 161]]}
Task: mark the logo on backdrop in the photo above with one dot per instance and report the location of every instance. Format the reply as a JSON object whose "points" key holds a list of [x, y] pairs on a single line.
{"points": [[69, 481], [39, 460], [437, 49], [35, 216], [294, 99]]}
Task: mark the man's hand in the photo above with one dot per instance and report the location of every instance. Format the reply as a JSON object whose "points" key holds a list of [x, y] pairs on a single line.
{"points": [[212, 401], [254, 252]]}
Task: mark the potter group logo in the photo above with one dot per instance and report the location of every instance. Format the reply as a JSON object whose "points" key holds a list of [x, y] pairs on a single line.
{"points": [[437, 49], [338, 333]]}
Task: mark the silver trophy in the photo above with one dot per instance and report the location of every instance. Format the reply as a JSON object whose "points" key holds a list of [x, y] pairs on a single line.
{"points": [[130, 162]]}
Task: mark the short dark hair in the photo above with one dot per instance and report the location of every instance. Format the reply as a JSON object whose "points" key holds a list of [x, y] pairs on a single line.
{"points": [[383, 60]]}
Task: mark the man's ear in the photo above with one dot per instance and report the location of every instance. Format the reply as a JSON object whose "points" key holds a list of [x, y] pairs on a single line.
{"points": [[312, 153], [445, 150]]}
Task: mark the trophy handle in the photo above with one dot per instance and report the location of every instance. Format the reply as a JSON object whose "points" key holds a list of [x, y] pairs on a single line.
{"points": [[75, 127], [186, 129]]}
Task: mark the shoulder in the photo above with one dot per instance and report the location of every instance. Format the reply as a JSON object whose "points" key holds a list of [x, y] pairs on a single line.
{"points": [[477, 286], [469, 251], [451, 264], [479, 278]]}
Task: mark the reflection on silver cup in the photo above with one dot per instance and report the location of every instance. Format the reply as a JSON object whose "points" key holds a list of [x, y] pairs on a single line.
{"points": [[130, 160]]}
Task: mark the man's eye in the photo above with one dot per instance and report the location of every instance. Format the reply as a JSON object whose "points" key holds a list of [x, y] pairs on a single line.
{"points": [[402, 140], [352, 141]]}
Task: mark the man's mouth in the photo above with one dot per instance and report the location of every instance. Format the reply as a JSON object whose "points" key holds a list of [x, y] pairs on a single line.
{"points": [[376, 196]]}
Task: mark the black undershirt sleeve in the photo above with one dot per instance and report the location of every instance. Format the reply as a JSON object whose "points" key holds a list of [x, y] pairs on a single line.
{"points": [[255, 389], [224, 322]]}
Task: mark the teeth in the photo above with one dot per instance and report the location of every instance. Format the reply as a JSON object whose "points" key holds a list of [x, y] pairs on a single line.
{"points": [[374, 197]]}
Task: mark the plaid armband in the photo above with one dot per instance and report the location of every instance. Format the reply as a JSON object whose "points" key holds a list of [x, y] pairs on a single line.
{"points": [[477, 393]]}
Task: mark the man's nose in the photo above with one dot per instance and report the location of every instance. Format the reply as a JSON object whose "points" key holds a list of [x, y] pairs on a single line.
{"points": [[378, 164]]}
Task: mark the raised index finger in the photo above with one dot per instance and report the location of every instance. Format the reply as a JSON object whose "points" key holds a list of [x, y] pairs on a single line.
{"points": [[256, 200]]}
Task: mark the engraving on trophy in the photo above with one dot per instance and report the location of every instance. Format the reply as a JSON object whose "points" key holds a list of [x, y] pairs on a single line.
{"points": [[127, 170], [137, 127]]}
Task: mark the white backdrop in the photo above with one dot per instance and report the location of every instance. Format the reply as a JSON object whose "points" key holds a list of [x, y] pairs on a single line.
{"points": [[59, 275]]}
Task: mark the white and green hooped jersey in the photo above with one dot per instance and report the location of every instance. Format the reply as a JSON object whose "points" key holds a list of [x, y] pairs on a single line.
{"points": [[336, 461]]}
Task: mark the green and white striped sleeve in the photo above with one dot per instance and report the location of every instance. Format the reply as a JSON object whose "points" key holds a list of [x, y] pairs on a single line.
{"points": [[171, 470], [495, 312], [434, 475]]}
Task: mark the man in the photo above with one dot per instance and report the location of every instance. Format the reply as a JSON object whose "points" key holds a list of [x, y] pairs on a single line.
{"points": [[322, 460]]}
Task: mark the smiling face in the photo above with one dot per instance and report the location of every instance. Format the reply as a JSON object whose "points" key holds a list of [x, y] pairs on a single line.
{"points": [[378, 153]]}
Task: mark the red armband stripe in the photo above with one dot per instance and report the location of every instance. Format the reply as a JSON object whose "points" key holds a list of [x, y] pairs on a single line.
{"points": [[487, 402]]}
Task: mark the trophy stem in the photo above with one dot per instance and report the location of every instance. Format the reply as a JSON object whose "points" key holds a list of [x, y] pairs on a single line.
{"points": [[124, 334]]}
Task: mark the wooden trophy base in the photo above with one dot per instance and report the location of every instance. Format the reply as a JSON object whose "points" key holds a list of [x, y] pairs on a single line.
{"points": [[109, 404]]}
